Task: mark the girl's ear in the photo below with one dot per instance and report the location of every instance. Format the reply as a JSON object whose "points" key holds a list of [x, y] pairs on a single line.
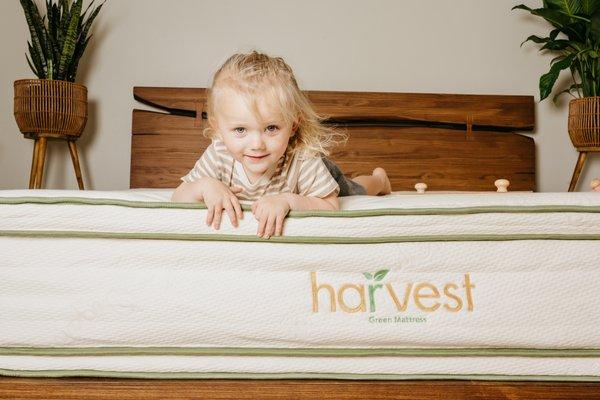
{"points": [[295, 127]]}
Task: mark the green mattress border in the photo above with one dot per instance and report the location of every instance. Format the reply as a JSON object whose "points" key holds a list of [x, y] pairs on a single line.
{"points": [[296, 239], [304, 214], [298, 352], [59, 373]]}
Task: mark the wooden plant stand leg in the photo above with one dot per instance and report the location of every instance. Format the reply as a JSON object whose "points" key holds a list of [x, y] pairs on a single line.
{"points": [[578, 168], [41, 157], [34, 161], [75, 159]]}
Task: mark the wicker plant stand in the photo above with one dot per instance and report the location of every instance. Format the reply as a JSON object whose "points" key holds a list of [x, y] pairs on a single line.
{"points": [[584, 131], [50, 109]]}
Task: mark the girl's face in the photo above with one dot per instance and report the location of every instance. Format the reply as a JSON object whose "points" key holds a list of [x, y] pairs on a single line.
{"points": [[254, 142]]}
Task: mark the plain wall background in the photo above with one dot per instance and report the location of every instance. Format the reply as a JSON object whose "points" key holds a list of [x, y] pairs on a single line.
{"points": [[438, 46]]}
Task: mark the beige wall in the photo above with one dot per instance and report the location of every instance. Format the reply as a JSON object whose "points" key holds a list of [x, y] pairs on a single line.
{"points": [[440, 46]]}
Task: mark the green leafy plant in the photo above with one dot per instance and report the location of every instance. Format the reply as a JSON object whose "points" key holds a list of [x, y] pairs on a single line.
{"points": [[576, 38], [58, 39]]}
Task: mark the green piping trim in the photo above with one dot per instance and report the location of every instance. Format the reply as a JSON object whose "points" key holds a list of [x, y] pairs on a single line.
{"points": [[290, 375], [304, 214], [299, 352], [296, 239]]}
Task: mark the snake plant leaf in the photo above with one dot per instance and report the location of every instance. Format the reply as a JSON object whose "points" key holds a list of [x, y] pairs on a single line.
{"points": [[35, 40], [50, 74], [53, 12], [70, 39], [548, 80], [77, 56], [37, 61], [40, 28], [32, 67], [64, 22], [83, 14], [88, 22], [58, 39], [379, 275]]}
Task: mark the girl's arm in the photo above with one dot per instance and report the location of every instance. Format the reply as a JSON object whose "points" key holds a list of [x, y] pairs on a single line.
{"points": [[300, 203], [188, 193]]}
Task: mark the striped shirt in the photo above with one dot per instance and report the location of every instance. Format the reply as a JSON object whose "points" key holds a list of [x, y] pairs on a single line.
{"points": [[292, 174]]}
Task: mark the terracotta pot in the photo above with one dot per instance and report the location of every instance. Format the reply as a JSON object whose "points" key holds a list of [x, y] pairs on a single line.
{"points": [[584, 123], [50, 108]]}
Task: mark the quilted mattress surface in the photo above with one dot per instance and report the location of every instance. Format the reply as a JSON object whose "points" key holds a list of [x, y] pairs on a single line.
{"points": [[449, 285]]}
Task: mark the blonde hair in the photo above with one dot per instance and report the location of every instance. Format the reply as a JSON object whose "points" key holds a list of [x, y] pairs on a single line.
{"points": [[255, 74]]}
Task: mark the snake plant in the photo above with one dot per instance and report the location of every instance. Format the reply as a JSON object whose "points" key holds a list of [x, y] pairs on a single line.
{"points": [[575, 37], [58, 39]]}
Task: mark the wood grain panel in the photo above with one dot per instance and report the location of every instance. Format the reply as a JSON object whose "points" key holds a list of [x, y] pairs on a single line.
{"points": [[165, 147], [139, 389], [444, 159], [156, 123], [508, 112]]}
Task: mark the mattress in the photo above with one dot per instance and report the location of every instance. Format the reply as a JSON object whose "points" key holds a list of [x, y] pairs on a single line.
{"points": [[403, 286]]}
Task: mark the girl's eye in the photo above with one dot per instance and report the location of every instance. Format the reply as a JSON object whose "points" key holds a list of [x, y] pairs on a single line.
{"points": [[239, 130], [272, 128]]}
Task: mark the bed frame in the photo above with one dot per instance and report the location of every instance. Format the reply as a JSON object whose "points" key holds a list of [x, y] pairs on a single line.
{"points": [[450, 142]]}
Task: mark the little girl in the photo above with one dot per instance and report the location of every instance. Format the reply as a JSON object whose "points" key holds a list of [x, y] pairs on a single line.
{"points": [[269, 147]]}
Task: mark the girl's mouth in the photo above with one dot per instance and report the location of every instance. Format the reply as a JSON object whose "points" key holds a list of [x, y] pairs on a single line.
{"points": [[256, 158]]}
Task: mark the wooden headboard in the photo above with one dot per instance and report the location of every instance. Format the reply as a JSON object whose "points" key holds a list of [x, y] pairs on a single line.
{"points": [[449, 141]]}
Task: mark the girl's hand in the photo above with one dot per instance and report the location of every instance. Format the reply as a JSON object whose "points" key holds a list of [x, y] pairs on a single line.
{"points": [[218, 197], [270, 211]]}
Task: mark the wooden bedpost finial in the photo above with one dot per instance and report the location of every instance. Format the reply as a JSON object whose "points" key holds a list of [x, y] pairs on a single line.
{"points": [[502, 185], [421, 187]]}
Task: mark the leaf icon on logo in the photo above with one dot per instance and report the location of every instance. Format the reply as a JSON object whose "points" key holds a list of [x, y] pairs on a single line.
{"points": [[379, 275], [368, 275]]}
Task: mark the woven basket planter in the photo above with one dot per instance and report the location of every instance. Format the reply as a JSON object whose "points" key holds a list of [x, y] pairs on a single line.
{"points": [[50, 108], [584, 123]]}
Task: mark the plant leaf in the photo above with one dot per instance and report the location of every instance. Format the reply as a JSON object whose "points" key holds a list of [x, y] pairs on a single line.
{"points": [[548, 80], [79, 49], [590, 7], [379, 275], [569, 7], [521, 7], [576, 86], [29, 9], [35, 58], [70, 39], [595, 28], [536, 39], [368, 275], [559, 44], [32, 67]]}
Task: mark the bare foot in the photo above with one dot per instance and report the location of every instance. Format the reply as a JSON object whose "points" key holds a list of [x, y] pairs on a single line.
{"points": [[382, 175]]}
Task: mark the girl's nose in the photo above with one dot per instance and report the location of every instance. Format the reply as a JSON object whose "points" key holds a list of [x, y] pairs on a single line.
{"points": [[256, 140]]}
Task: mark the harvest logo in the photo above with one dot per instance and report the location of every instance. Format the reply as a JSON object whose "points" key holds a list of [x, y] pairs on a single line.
{"points": [[426, 296]]}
